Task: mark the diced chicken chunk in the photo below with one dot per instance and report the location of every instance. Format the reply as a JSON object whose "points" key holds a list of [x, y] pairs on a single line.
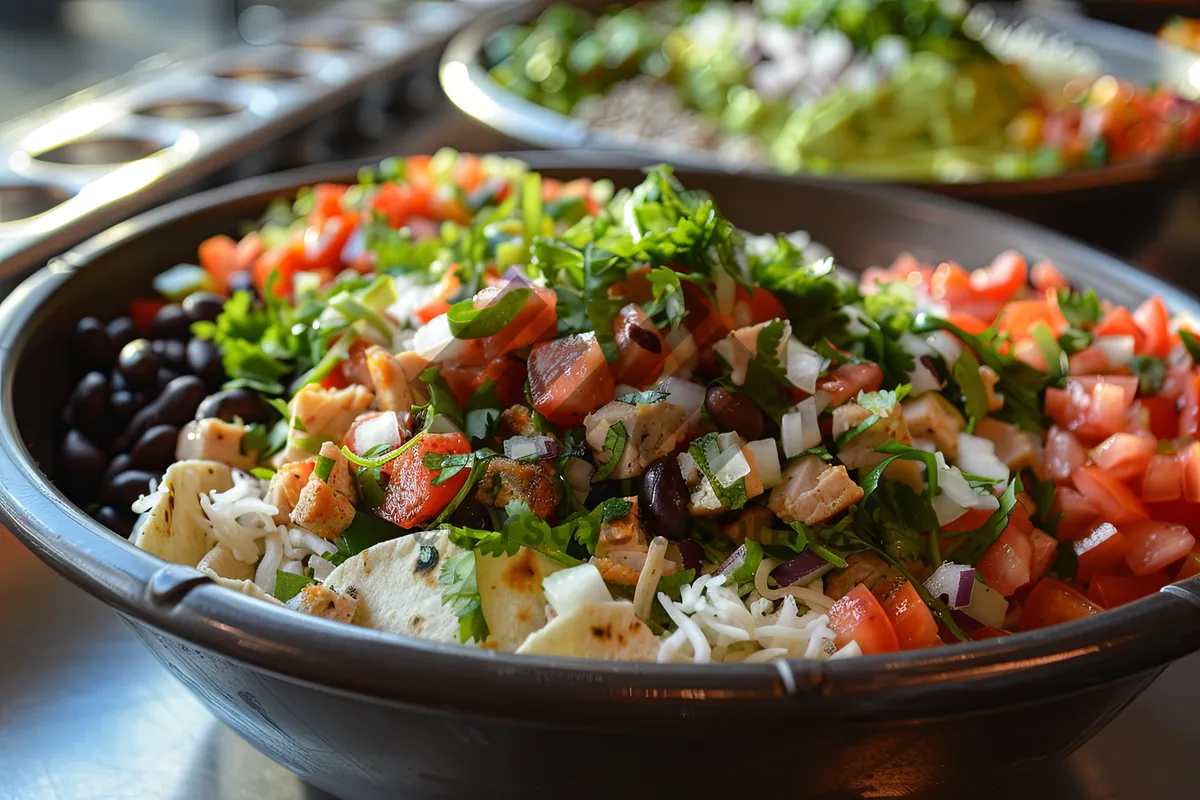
{"points": [[652, 430], [507, 480], [995, 402], [623, 533], [751, 524], [319, 600], [214, 440], [516, 421], [285, 487], [865, 568], [321, 415], [813, 491], [322, 510], [860, 451], [340, 477], [392, 392], [932, 417], [740, 346], [1018, 449]]}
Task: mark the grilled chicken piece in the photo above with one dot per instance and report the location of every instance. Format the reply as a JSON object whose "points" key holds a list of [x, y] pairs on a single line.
{"points": [[751, 523], [321, 415], [860, 451], [392, 392], [1018, 449], [652, 431], [318, 600], [285, 487], [326, 507], [995, 402], [813, 491], [931, 416], [741, 346], [516, 421], [214, 440], [507, 480], [340, 477], [865, 568]]}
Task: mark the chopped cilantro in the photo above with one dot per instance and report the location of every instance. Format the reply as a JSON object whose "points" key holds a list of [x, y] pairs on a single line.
{"points": [[1081, 309], [614, 445], [289, 584], [642, 398], [705, 450], [1151, 373], [460, 593]]}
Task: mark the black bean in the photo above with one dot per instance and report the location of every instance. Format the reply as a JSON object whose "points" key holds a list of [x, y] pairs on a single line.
{"points": [[81, 457], [170, 323], [155, 450], [203, 306], [138, 364], [122, 331], [121, 462], [204, 360], [165, 376], [117, 382], [734, 412], [171, 352], [241, 403], [243, 281], [471, 514], [663, 501], [123, 405], [174, 406], [605, 490], [94, 348], [89, 401], [115, 521], [124, 488]]}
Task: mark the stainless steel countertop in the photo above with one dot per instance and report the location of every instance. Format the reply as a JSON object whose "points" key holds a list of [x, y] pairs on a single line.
{"points": [[87, 714]]}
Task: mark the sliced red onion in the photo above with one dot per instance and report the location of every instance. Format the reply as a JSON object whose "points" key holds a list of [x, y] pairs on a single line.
{"points": [[966, 623], [796, 570], [731, 564], [685, 394], [541, 447], [953, 581], [690, 553]]}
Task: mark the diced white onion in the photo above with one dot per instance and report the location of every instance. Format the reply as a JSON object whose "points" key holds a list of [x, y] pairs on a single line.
{"points": [[922, 379], [727, 440], [434, 341], [685, 394], [730, 466], [804, 365], [977, 456], [321, 567], [1117, 349], [382, 429], [916, 345], [947, 345], [799, 428], [568, 589], [724, 290], [987, 606], [957, 496], [766, 462]]}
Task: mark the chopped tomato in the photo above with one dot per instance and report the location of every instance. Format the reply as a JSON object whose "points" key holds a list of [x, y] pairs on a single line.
{"points": [[507, 372], [286, 260], [1092, 406], [1008, 563], [914, 625], [848, 380], [1091, 360], [1189, 459], [1101, 551], [1045, 549], [759, 306], [142, 313], [222, 258], [1113, 500], [394, 201], [569, 378], [1018, 318], [536, 320], [1062, 455], [1001, 279], [1154, 322], [859, 617], [412, 497], [1189, 409], [1163, 480], [1124, 456], [1077, 514], [1045, 275], [1161, 418], [1052, 602], [1154, 545], [969, 323], [440, 304], [1119, 322], [1111, 591], [641, 347], [952, 285]]}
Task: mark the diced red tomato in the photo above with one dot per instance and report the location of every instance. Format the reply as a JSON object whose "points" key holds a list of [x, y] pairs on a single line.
{"points": [[641, 347], [969, 323], [859, 617], [286, 260], [1119, 322], [848, 380], [1045, 549], [1077, 514], [1101, 551], [1154, 322], [1161, 420], [1019, 317], [569, 378], [142, 312], [1008, 563], [394, 201], [1189, 409], [222, 257], [1155, 545], [914, 625], [1092, 406], [1045, 275], [952, 285], [1163, 480], [1091, 360], [1189, 459], [537, 319], [1111, 591], [1124, 456], [507, 372], [1062, 455], [764, 306], [441, 304], [1001, 279], [1052, 602], [412, 498], [1113, 500]]}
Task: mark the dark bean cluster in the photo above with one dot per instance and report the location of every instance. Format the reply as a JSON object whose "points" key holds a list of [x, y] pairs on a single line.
{"points": [[133, 395]]}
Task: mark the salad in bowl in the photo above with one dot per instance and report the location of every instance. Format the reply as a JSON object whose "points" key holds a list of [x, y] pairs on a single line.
{"points": [[458, 401]]}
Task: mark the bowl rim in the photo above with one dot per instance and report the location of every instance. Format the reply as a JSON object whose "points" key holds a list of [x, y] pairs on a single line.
{"points": [[470, 87], [182, 604]]}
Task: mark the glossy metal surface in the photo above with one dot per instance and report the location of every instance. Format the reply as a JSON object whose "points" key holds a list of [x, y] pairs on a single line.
{"points": [[87, 714]]}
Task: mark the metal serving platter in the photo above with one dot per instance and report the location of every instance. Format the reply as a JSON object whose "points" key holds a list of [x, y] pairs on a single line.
{"points": [[77, 166]]}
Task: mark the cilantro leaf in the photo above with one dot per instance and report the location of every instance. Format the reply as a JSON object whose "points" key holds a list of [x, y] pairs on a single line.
{"points": [[813, 294], [765, 375], [460, 593], [441, 399], [482, 413], [1151, 372], [642, 398], [614, 445], [470, 322], [1082, 310], [970, 384], [668, 295], [289, 584], [705, 450], [1191, 343], [967, 547]]}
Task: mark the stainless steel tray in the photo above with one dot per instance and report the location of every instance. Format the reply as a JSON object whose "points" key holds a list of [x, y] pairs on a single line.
{"points": [[75, 167], [87, 714]]}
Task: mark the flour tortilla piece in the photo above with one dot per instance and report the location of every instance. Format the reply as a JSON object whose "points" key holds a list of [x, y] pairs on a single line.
{"points": [[248, 588], [170, 530], [394, 593], [511, 596], [604, 631], [221, 562]]}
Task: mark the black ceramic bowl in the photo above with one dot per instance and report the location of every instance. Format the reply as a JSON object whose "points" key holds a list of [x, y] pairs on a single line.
{"points": [[1111, 206], [368, 715]]}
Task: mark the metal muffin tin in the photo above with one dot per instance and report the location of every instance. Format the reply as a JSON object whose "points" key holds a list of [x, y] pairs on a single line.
{"points": [[77, 166]]}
